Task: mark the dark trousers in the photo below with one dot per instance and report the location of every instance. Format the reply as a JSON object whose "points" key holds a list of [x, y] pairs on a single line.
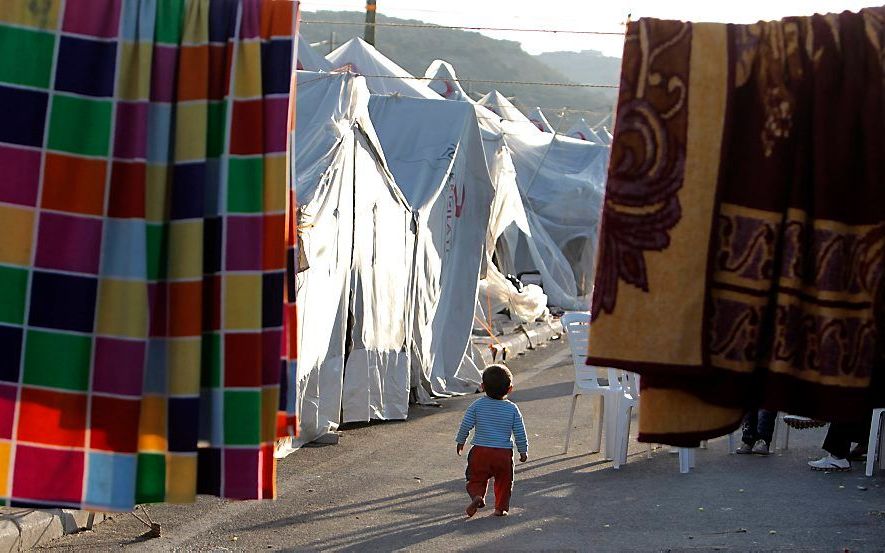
{"points": [[759, 425], [841, 434]]}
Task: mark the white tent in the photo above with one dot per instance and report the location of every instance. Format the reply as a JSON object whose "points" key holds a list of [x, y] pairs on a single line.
{"points": [[495, 291], [354, 289], [562, 182], [434, 150], [441, 79], [582, 131], [536, 116], [309, 59], [382, 75]]}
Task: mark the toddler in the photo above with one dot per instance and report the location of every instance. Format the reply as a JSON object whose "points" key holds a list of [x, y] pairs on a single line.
{"points": [[496, 419]]}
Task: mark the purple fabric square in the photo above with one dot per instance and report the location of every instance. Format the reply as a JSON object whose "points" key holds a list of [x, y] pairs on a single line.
{"points": [[241, 473], [251, 19], [69, 243], [92, 17], [163, 73], [276, 111], [244, 243], [130, 134], [271, 356], [21, 173], [119, 366]]}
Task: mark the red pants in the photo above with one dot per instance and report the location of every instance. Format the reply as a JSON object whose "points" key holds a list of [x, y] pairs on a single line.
{"points": [[485, 463]]}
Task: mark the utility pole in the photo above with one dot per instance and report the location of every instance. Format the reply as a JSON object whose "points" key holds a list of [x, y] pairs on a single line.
{"points": [[369, 34], [331, 41]]}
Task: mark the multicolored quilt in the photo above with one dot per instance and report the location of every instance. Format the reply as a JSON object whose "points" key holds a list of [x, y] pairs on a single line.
{"points": [[143, 206], [742, 257]]}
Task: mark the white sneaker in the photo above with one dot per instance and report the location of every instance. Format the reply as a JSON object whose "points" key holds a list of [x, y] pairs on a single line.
{"points": [[830, 463]]}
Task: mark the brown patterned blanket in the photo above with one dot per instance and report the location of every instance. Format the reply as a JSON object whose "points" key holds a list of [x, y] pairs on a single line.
{"points": [[742, 249]]}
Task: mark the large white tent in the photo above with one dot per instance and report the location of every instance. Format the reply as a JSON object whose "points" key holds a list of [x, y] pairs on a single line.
{"points": [[354, 288], [382, 74], [562, 182], [434, 150]]}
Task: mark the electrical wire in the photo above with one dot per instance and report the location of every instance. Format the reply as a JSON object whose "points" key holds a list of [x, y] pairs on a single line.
{"points": [[463, 28]]}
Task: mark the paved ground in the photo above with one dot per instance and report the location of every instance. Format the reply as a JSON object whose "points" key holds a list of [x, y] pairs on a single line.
{"points": [[399, 486]]}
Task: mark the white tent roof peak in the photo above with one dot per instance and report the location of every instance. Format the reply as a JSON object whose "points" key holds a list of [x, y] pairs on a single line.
{"points": [[582, 131], [309, 59], [537, 117], [382, 74], [444, 81], [503, 107]]}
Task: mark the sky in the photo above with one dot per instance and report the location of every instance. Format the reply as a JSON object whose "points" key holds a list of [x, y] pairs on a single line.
{"points": [[580, 15]]}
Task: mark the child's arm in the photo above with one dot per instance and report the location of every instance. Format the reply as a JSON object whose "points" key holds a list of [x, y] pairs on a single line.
{"points": [[522, 442], [467, 423]]}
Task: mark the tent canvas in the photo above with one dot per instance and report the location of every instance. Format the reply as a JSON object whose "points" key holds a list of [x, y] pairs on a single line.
{"points": [[434, 150], [353, 285], [562, 182], [382, 74]]}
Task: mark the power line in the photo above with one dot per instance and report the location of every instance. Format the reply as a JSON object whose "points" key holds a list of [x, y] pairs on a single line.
{"points": [[491, 81], [465, 28]]}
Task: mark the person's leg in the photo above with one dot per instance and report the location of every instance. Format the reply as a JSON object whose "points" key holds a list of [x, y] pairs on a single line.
{"points": [[503, 481], [477, 474], [765, 425], [838, 440], [748, 436]]}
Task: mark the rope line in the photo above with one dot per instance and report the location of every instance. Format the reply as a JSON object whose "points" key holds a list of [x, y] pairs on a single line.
{"points": [[464, 28]]}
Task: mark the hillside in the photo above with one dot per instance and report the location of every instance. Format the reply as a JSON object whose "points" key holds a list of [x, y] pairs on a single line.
{"points": [[588, 66], [473, 55]]}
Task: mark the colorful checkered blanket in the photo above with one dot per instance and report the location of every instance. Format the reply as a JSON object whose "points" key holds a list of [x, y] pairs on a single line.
{"points": [[142, 259]]}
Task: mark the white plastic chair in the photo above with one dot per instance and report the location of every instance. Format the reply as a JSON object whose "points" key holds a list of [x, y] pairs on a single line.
{"points": [[627, 402], [588, 381], [877, 441]]}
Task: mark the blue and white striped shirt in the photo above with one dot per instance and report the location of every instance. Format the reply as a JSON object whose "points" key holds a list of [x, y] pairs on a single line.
{"points": [[495, 420]]}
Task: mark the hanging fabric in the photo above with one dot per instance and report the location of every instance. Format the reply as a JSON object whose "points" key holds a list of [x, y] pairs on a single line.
{"points": [[743, 237], [142, 252]]}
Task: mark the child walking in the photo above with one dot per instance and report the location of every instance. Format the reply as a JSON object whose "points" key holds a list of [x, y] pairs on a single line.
{"points": [[496, 419]]}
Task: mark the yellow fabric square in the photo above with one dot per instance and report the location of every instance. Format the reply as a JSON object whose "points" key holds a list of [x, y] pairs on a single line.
{"points": [[190, 131], [242, 302], [152, 425], [16, 235], [134, 73], [185, 250], [157, 183], [196, 22], [43, 15], [184, 366], [4, 467], [275, 185], [247, 70], [270, 401], [122, 308], [181, 477]]}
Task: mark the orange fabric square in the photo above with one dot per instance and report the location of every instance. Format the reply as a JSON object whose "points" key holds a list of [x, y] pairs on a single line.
{"points": [[185, 308], [274, 237], [53, 418], [276, 19], [193, 71], [152, 424], [74, 184]]}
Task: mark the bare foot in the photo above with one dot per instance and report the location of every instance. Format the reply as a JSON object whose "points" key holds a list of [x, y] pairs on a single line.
{"points": [[477, 503], [499, 513]]}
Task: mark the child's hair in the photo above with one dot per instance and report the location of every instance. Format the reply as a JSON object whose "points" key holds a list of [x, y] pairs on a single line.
{"points": [[496, 381]]}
